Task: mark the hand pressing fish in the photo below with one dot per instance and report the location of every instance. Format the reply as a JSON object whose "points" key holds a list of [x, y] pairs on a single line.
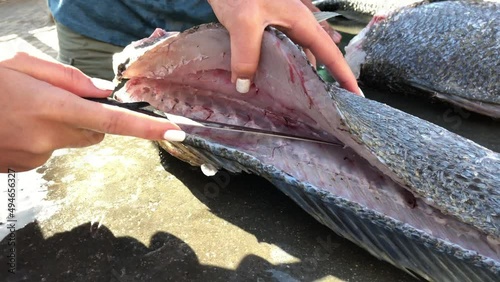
{"points": [[449, 50], [408, 191]]}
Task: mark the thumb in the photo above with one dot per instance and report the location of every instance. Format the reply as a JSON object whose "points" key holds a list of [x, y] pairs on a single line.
{"points": [[246, 42], [66, 77]]}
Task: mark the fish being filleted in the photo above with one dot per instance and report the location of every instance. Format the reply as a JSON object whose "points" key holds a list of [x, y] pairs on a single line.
{"points": [[408, 191], [448, 50]]}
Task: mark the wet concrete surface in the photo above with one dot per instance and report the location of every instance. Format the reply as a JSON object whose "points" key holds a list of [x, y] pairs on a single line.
{"points": [[126, 211]]}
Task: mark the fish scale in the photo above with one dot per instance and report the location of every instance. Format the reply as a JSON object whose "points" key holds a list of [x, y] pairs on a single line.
{"points": [[479, 188], [362, 6], [448, 49]]}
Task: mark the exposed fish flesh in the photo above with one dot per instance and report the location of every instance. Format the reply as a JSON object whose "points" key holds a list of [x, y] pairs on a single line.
{"points": [[449, 50], [408, 191]]}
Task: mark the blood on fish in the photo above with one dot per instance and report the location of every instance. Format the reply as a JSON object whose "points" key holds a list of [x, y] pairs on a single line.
{"points": [[176, 102], [302, 81], [292, 76], [303, 84], [291, 123], [210, 112]]}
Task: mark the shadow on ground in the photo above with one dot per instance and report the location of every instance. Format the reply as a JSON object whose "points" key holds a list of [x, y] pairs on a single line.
{"points": [[88, 253], [93, 253], [255, 205]]}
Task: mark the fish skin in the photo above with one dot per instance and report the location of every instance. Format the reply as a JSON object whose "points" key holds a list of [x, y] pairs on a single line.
{"points": [[367, 7], [408, 248], [449, 50], [463, 182], [365, 126]]}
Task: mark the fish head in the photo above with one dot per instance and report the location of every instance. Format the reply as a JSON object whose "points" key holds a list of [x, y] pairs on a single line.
{"points": [[136, 49]]}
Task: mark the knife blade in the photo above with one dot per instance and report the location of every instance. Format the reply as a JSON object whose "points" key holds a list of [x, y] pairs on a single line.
{"points": [[146, 108]]}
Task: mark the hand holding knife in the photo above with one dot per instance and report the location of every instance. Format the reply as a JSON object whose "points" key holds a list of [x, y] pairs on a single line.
{"points": [[146, 108]]}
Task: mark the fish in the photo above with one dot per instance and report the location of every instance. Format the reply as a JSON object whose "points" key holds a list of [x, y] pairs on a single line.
{"points": [[409, 192], [449, 51], [361, 10]]}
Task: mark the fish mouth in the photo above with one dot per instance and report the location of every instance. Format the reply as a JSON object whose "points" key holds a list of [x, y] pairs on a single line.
{"points": [[189, 75]]}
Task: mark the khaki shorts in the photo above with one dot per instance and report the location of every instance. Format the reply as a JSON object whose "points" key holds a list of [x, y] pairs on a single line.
{"points": [[92, 57]]}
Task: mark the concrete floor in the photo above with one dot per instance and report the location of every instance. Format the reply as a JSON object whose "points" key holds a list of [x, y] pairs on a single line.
{"points": [[124, 211]]}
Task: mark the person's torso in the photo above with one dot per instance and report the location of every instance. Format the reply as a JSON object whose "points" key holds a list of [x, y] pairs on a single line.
{"points": [[120, 22]]}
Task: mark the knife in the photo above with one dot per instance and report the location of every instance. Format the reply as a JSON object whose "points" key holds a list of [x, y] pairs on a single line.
{"points": [[146, 108]]}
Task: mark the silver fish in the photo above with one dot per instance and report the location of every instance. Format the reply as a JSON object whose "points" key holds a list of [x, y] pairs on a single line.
{"points": [[408, 191], [449, 50]]}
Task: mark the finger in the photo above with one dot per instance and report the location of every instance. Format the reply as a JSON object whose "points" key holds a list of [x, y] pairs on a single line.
{"points": [[77, 138], [62, 76], [56, 135], [246, 40], [336, 37], [323, 47], [89, 138], [28, 120], [22, 161], [310, 57], [114, 120], [310, 5]]}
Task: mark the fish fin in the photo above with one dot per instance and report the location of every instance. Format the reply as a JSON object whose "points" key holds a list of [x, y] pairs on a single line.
{"points": [[323, 16], [481, 107], [423, 86]]}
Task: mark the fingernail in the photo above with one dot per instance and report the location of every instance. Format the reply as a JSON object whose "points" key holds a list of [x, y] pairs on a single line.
{"points": [[102, 83], [242, 85], [174, 135], [361, 92]]}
